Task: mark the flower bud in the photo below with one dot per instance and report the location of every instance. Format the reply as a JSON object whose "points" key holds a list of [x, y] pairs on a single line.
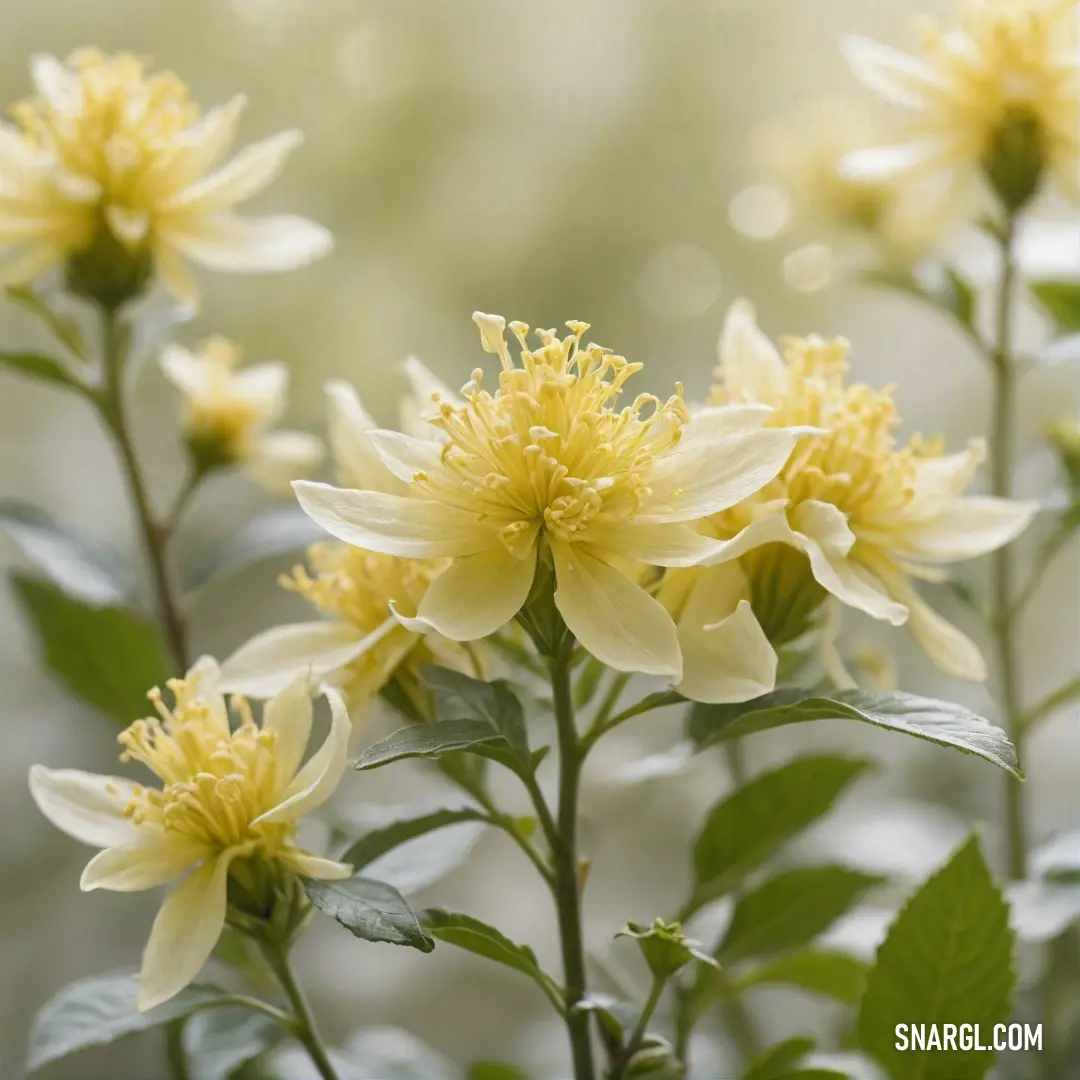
{"points": [[1015, 158], [108, 272]]}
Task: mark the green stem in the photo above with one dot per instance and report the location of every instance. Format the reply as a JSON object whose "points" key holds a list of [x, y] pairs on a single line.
{"points": [[303, 1022], [1063, 695], [113, 409], [633, 1044], [566, 885], [175, 1055], [1002, 449], [605, 722]]}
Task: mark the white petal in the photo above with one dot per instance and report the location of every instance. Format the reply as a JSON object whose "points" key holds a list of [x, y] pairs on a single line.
{"points": [[709, 477], [613, 618], [248, 173], [426, 386], [319, 777], [54, 81], [939, 480], [475, 596], [265, 387], [270, 661], [885, 163], [948, 648], [826, 525], [248, 245], [853, 584], [204, 143], [28, 263], [404, 455], [394, 524], [288, 715], [348, 424], [190, 374], [128, 226], [655, 544], [896, 76], [85, 805], [184, 933], [311, 866], [831, 659], [720, 420], [969, 527], [156, 858], [174, 273], [771, 528], [726, 655], [749, 362], [280, 457]]}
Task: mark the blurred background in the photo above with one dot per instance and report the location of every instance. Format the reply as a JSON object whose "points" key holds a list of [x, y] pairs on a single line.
{"points": [[554, 160]]}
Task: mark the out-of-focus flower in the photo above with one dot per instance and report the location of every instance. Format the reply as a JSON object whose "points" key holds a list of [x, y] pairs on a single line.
{"points": [[226, 812], [109, 164], [851, 514], [361, 645], [995, 97], [229, 413], [546, 472]]}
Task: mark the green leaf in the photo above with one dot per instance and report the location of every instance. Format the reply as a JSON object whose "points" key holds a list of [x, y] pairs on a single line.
{"points": [[1058, 860], [938, 722], [429, 740], [457, 695], [615, 1016], [814, 1074], [378, 842], [271, 535], [943, 288], [108, 657], [744, 829], [947, 959], [371, 910], [791, 909], [779, 1058], [1061, 301], [496, 1070], [85, 569], [101, 1009], [478, 937], [41, 367], [64, 327], [832, 974], [219, 1042]]}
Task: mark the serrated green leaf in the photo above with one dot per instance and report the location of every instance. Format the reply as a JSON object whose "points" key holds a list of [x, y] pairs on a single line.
{"points": [[832, 974], [378, 842], [41, 367], [938, 722], [83, 568], [744, 829], [276, 533], [478, 937], [458, 695], [218, 1043], [371, 910], [429, 740], [1061, 301], [790, 909], [947, 959], [101, 1009], [778, 1059], [108, 657]]}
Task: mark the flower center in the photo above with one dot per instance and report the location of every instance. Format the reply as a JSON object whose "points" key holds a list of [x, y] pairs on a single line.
{"points": [[548, 450]]}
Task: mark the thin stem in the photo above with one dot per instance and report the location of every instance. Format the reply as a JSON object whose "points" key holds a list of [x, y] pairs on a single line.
{"points": [[303, 1022], [1063, 695], [1002, 450], [1047, 553], [175, 1055], [603, 724], [633, 1044], [567, 886], [113, 409], [180, 504]]}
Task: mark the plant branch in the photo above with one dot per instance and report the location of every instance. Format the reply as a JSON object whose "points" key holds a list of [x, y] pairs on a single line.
{"points": [[1063, 695], [603, 724], [633, 1044]]}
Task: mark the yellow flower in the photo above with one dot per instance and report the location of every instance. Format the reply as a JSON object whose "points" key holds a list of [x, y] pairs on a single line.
{"points": [[851, 514], [361, 644], [547, 468], [996, 96], [106, 149], [229, 802], [228, 413]]}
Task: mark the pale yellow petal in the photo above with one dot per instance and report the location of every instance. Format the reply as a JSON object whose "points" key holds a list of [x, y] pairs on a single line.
{"points": [[86, 806], [280, 457], [613, 618], [312, 866], [655, 544], [288, 714], [967, 528], [899, 78], [155, 858], [853, 584], [261, 245], [348, 425], [771, 528], [404, 455], [826, 525], [749, 362], [184, 933], [939, 480]]}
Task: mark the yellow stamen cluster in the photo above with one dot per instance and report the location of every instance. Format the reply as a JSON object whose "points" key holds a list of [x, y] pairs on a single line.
{"points": [[549, 451], [216, 781], [115, 135]]}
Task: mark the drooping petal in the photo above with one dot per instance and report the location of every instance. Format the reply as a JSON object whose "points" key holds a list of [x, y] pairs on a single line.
{"points": [[726, 655], [655, 544], [770, 528], [263, 245], [948, 648], [939, 480], [288, 714], [829, 650], [968, 527], [853, 584], [404, 455], [394, 524], [270, 661], [348, 424], [477, 595], [613, 618], [312, 866], [184, 933], [826, 525], [750, 364], [316, 781], [896, 76], [280, 457], [156, 858], [86, 806], [709, 477]]}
